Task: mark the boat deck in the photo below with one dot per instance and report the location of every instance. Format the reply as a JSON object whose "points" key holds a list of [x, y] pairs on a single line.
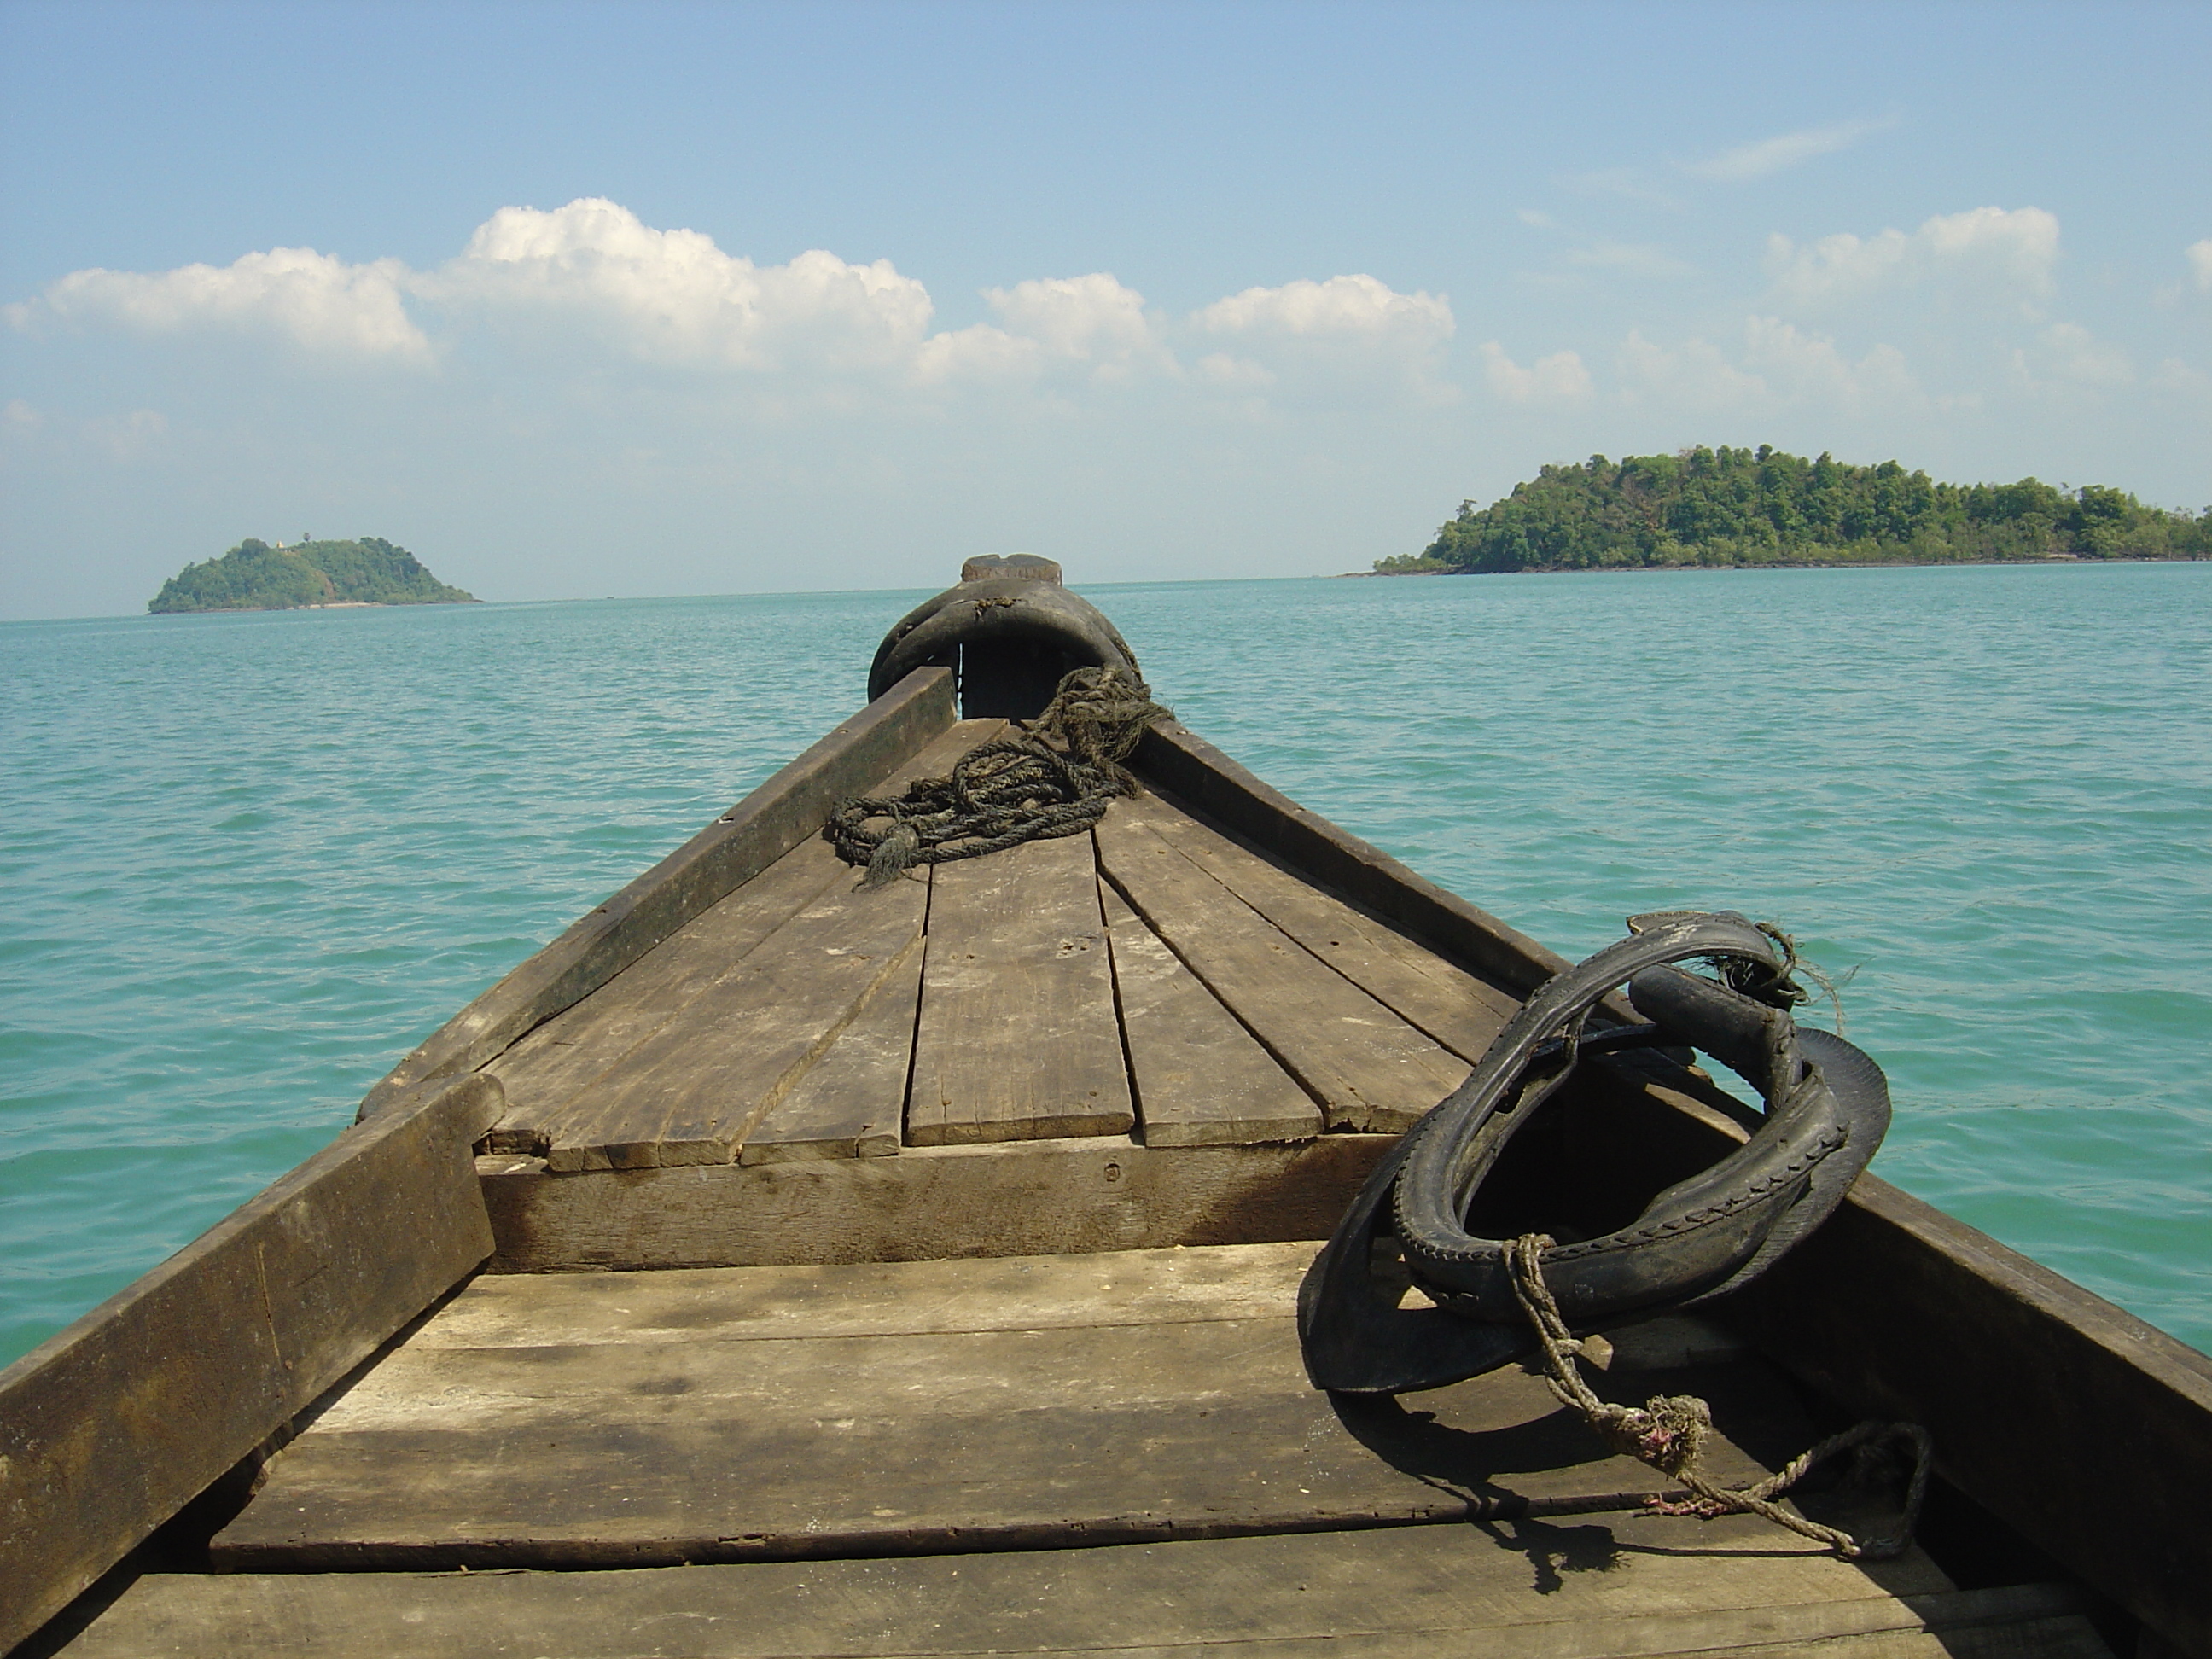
{"points": [[1108, 1453], [835, 1450], [1156, 980]]}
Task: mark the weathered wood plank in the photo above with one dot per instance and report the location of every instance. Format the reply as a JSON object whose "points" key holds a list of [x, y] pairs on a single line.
{"points": [[546, 1072], [1098, 1192], [1531, 1590], [1018, 1039], [112, 1426], [873, 1298], [1201, 777], [745, 841], [1368, 1068], [689, 1093], [852, 1103], [1202, 1079], [1899, 1310], [669, 1447], [1458, 1010], [550, 1075]]}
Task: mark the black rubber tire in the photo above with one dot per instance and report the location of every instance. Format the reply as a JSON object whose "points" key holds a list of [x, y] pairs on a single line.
{"points": [[999, 608], [1828, 1108]]}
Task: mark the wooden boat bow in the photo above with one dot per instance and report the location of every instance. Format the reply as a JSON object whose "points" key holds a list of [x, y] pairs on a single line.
{"points": [[918, 1267]]}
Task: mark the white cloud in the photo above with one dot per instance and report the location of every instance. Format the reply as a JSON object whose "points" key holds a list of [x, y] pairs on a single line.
{"points": [[2198, 256], [674, 296], [1695, 375], [1766, 156], [320, 304], [1560, 377], [1344, 308], [20, 419], [1093, 319], [2007, 253], [1798, 367]]}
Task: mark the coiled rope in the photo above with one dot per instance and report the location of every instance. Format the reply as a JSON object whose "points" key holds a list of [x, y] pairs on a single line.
{"points": [[1669, 1433], [1054, 775]]}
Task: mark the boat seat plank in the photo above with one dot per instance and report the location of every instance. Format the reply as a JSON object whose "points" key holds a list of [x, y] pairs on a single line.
{"points": [[555, 1077], [851, 1104], [1368, 1068], [1596, 1585], [1449, 1004], [1202, 1079], [1018, 1039], [670, 1441]]}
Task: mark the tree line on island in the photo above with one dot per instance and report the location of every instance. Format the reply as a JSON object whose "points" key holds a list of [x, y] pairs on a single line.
{"points": [[255, 576], [1728, 507]]}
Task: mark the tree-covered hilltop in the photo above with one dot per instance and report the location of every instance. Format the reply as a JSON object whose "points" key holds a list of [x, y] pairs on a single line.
{"points": [[255, 576], [1742, 506]]}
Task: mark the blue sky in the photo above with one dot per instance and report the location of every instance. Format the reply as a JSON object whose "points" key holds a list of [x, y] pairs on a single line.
{"points": [[577, 301]]}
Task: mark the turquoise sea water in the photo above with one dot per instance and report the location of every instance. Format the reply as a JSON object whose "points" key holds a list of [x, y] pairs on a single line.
{"points": [[250, 860]]}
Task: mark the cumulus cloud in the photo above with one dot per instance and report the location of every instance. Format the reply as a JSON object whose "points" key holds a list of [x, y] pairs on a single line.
{"points": [[590, 279], [1766, 156], [674, 296], [2198, 257], [1560, 377], [311, 300], [1695, 375], [1799, 366], [2007, 254]]}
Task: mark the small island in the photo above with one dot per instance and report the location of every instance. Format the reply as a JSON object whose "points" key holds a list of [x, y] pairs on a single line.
{"points": [[306, 575], [1735, 508]]}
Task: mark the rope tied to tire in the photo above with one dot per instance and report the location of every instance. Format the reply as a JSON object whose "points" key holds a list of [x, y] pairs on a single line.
{"points": [[1054, 775], [1669, 1433], [1492, 1301]]}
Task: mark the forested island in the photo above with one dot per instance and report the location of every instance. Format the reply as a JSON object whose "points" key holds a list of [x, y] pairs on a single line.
{"points": [[255, 576], [1741, 506]]}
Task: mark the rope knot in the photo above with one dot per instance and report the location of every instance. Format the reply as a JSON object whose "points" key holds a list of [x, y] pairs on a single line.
{"points": [[1669, 1433]]}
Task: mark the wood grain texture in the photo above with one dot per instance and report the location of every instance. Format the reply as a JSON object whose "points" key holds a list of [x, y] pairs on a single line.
{"points": [[1016, 1198], [1018, 1039], [745, 841], [693, 1090], [545, 1073], [1202, 1079], [1455, 1008], [555, 1076], [852, 1103], [1202, 778], [1602, 1586], [112, 1426], [872, 1298], [667, 1446], [1368, 1068]]}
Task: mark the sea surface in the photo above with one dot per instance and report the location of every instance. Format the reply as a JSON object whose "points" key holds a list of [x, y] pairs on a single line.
{"points": [[250, 860]]}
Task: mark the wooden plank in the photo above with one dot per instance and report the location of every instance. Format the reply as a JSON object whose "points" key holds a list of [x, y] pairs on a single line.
{"points": [[555, 1108], [1895, 1309], [1458, 1010], [1018, 1039], [745, 841], [1098, 1192], [691, 1092], [1202, 1079], [112, 1426], [1200, 776], [851, 1103], [1367, 1067], [1610, 1586], [668, 1447], [872, 1298], [546, 1072]]}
